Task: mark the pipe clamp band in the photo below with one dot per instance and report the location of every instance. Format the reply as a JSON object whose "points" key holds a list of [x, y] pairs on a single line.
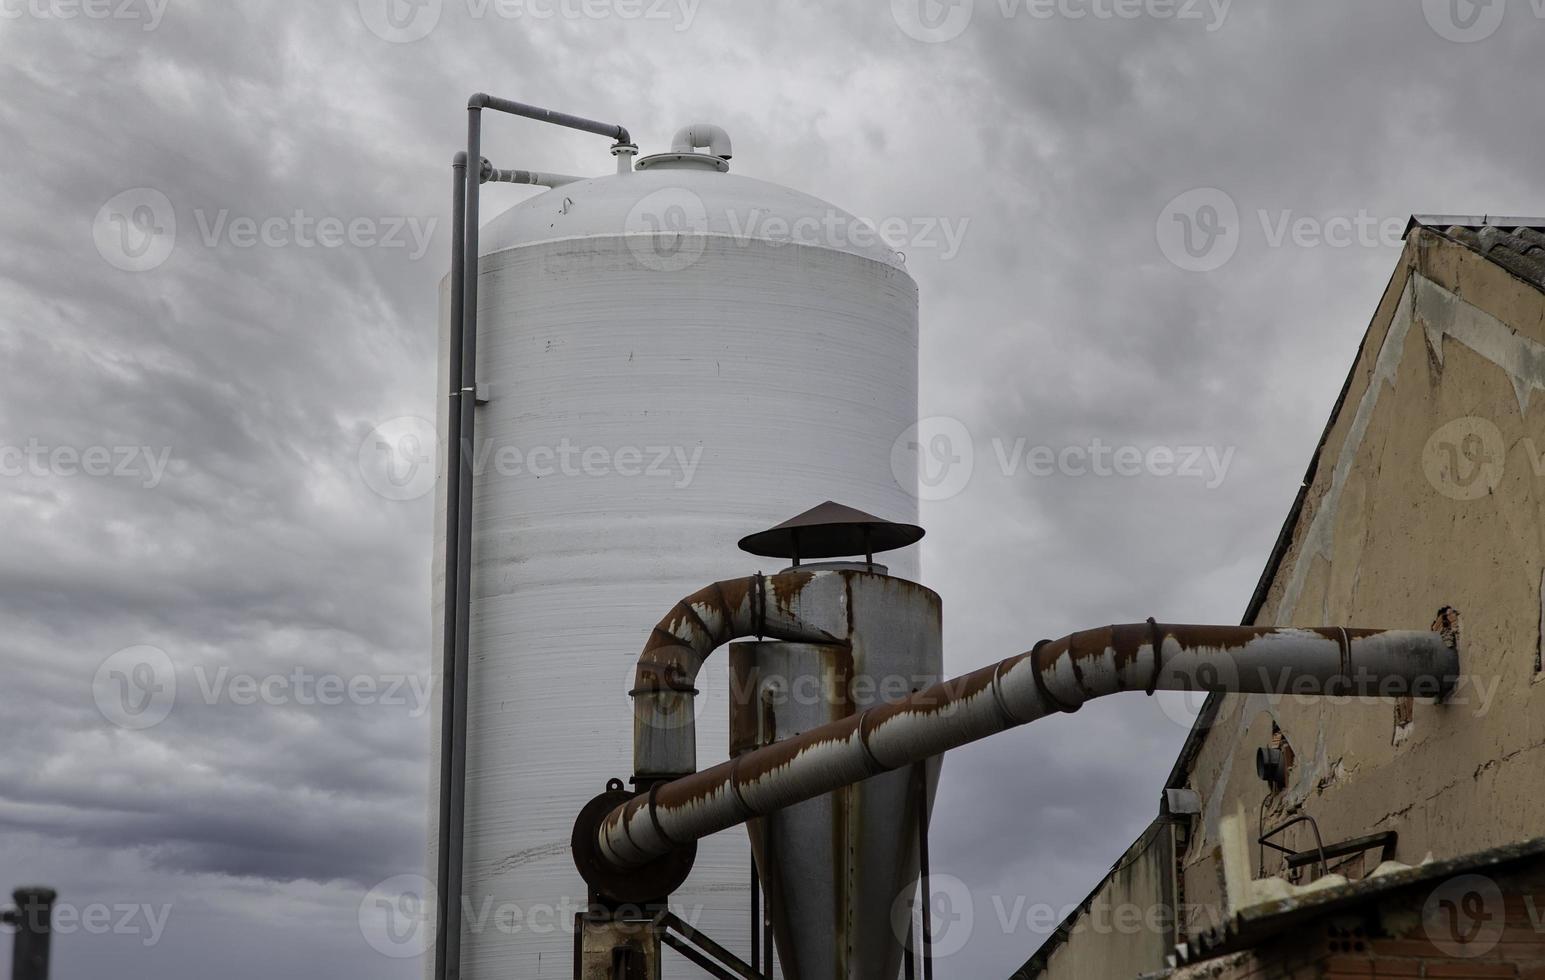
{"points": [[1157, 638], [654, 818], [745, 808], [999, 701], [1040, 681]]}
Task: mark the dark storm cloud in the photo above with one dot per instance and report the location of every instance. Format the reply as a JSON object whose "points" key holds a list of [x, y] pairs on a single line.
{"points": [[1313, 111], [257, 370]]}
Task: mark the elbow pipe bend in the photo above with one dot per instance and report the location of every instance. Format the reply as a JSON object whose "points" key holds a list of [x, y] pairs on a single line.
{"points": [[689, 139], [664, 682]]}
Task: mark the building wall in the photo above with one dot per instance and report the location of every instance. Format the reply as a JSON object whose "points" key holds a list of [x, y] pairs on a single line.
{"points": [[1429, 492], [1127, 925], [1409, 935]]}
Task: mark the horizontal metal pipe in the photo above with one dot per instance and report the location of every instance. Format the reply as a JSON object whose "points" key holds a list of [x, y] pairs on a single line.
{"points": [[1056, 676], [484, 101], [495, 175]]}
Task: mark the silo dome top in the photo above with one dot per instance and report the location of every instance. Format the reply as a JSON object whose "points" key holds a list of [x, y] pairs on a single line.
{"points": [[681, 199]]}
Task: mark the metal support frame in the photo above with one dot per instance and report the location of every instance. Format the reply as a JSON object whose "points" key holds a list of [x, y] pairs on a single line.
{"points": [[629, 948], [756, 918], [768, 949], [1384, 841], [924, 886], [769, 957], [467, 171], [1317, 856], [699, 960], [709, 955]]}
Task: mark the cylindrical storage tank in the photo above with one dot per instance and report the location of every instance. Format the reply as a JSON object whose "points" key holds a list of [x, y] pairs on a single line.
{"points": [[671, 358]]}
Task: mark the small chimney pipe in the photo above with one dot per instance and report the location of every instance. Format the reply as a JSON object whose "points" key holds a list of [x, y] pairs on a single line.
{"points": [[32, 919]]}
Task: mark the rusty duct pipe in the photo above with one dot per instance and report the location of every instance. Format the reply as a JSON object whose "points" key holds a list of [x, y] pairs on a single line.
{"points": [[664, 691], [1057, 676]]}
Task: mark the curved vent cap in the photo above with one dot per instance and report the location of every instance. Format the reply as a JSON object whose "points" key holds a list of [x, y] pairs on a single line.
{"points": [[830, 531]]}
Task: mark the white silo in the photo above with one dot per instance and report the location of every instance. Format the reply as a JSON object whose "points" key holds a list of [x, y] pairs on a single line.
{"points": [[668, 359]]}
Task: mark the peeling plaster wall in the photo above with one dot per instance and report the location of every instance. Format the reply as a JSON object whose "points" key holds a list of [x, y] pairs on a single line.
{"points": [[1430, 492], [1127, 926]]}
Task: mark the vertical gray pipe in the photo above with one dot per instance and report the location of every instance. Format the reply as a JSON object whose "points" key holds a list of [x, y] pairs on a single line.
{"points": [[468, 435], [924, 885], [452, 541], [459, 486]]}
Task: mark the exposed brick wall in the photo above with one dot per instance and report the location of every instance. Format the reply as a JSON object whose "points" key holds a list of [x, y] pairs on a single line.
{"points": [[1519, 952], [1439, 932]]}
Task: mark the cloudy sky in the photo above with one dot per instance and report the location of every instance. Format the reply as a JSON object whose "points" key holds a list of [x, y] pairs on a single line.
{"points": [[1175, 221]]}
